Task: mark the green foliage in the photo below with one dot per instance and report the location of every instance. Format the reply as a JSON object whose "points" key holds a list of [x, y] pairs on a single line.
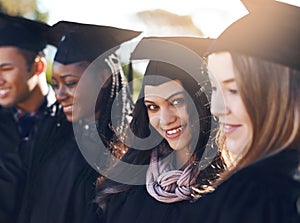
{"points": [[28, 8], [49, 71], [137, 80]]}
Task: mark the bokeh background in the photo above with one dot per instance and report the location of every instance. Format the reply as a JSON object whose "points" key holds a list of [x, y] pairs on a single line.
{"points": [[203, 18]]}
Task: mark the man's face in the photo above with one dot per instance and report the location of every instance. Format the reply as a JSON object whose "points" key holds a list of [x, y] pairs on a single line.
{"points": [[17, 81]]}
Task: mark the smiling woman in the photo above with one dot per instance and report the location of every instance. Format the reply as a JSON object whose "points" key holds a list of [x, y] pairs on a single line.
{"points": [[170, 129], [255, 73], [227, 104], [167, 112], [61, 182]]}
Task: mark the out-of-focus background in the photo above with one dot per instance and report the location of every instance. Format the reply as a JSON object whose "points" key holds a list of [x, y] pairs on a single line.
{"points": [[164, 17], [204, 18]]}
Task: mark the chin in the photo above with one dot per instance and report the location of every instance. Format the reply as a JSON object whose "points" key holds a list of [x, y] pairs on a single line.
{"points": [[70, 118], [176, 146], [6, 104], [235, 148]]}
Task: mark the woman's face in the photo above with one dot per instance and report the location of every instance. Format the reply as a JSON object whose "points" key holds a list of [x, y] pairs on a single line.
{"points": [[227, 103], [167, 111], [65, 80]]}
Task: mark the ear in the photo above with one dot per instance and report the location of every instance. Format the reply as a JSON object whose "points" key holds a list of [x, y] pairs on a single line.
{"points": [[40, 65]]}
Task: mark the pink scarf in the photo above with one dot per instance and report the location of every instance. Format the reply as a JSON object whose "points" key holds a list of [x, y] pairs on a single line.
{"points": [[166, 184]]}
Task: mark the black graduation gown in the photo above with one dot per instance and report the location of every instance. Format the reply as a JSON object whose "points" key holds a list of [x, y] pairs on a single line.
{"points": [[15, 156], [265, 192], [12, 170], [60, 186], [135, 205]]}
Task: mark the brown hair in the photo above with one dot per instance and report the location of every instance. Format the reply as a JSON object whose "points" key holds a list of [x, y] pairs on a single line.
{"points": [[270, 93], [30, 56]]}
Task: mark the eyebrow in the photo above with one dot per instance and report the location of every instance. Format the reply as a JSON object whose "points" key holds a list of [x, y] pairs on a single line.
{"points": [[228, 81], [68, 75], [168, 98]]}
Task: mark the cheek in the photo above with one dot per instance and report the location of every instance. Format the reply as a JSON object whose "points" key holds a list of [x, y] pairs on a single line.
{"points": [[21, 84], [153, 120], [240, 110], [183, 113], [72, 92], [15, 77], [248, 126]]}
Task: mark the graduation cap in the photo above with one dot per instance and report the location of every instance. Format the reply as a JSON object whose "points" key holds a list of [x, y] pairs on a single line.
{"points": [[271, 31], [175, 49], [85, 42], [184, 52], [22, 33], [153, 43]]}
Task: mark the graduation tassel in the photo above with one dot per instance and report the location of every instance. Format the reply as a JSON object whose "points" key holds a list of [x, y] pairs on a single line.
{"points": [[130, 77]]}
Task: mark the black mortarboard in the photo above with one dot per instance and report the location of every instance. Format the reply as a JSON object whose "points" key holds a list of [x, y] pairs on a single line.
{"points": [[271, 31], [184, 52], [85, 42], [22, 33], [196, 44]]}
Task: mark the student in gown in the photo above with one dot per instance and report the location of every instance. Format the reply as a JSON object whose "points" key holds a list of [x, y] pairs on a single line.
{"points": [[25, 100], [255, 74], [173, 121], [61, 184]]}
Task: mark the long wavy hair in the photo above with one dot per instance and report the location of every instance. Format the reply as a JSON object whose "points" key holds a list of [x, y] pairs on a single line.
{"points": [[141, 128], [271, 95]]}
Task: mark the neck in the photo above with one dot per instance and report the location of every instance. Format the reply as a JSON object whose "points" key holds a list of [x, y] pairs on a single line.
{"points": [[182, 156]]}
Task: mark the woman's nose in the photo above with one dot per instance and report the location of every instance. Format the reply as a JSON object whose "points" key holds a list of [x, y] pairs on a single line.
{"points": [[218, 104], [167, 115], [61, 94]]}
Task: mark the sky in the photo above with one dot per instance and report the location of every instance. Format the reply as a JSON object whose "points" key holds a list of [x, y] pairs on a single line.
{"points": [[211, 16]]}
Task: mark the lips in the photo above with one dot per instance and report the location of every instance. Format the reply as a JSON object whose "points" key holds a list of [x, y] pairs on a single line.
{"points": [[4, 92], [67, 108], [229, 128], [174, 132]]}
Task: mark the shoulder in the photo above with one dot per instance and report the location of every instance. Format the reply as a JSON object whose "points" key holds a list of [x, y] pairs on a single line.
{"points": [[136, 205], [262, 192], [273, 173], [269, 178]]}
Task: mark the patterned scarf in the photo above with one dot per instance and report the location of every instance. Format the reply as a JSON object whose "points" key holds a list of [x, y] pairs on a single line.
{"points": [[165, 183]]}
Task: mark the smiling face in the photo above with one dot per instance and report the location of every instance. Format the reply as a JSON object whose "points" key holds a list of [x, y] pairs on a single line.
{"points": [[167, 112], [17, 81], [227, 103], [65, 79], [75, 91]]}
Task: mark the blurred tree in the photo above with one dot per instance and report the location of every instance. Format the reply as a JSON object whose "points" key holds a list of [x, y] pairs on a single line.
{"points": [[135, 82], [160, 22], [26, 8]]}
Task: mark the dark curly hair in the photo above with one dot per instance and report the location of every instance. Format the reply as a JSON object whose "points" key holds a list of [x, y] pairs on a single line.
{"points": [[159, 73]]}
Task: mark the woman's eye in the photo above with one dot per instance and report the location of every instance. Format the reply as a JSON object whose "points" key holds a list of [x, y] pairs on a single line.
{"points": [[152, 107], [71, 83], [54, 85], [233, 91], [178, 101]]}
